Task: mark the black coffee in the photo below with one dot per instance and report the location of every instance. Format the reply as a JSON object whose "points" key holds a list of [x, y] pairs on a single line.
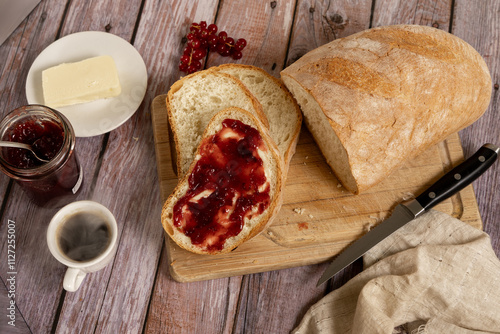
{"points": [[84, 236]]}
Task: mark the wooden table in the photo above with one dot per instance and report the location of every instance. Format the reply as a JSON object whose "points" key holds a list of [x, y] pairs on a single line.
{"points": [[136, 293]]}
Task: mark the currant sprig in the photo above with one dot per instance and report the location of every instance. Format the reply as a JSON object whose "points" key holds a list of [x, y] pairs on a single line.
{"points": [[203, 38]]}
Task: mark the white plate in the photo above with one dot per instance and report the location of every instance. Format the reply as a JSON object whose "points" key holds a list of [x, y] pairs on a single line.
{"points": [[100, 116]]}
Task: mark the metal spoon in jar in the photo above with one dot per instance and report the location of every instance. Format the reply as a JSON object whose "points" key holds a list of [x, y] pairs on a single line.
{"points": [[23, 146]]}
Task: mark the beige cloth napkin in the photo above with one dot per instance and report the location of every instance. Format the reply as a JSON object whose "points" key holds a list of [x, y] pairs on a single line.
{"points": [[435, 269]]}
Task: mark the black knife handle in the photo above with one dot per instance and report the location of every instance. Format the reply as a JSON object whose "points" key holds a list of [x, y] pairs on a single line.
{"points": [[459, 177]]}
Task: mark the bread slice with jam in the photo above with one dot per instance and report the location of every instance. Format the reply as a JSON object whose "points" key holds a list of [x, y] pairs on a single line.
{"points": [[232, 189]]}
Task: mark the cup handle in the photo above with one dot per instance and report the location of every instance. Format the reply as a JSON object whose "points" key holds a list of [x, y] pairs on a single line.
{"points": [[73, 279]]}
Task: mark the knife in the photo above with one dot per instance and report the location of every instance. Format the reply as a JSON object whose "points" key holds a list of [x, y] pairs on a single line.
{"points": [[451, 183]]}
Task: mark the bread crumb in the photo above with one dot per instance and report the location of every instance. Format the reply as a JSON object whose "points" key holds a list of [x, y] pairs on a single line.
{"points": [[311, 216], [339, 185], [300, 211], [307, 157], [368, 227], [269, 233], [304, 163], [135, 138], [303, 226]]}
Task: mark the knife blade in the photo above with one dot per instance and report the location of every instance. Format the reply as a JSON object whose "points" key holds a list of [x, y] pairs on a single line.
{"points": [[451, 183]]}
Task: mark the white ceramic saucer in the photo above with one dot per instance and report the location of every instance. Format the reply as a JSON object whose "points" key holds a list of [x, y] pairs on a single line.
{"points": [[100, 116]]}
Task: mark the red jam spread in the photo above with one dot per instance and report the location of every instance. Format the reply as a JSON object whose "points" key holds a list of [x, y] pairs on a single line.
{"points": [[45, 136], [227, 185]]}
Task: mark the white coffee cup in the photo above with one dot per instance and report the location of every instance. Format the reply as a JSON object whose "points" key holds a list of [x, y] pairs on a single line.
{"points": [[77, 270]]}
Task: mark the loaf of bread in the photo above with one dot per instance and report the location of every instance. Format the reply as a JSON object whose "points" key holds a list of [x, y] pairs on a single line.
{"points": [[232, 189], [279, 106], [377, 98], [193, 100]]}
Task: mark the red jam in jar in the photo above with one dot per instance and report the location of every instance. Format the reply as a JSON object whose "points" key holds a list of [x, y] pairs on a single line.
{"points": [[227, 185], [51, 183], [46, 138]]}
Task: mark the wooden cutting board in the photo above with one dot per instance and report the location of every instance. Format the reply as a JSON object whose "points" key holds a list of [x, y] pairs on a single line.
{"points": [[319, 217]]}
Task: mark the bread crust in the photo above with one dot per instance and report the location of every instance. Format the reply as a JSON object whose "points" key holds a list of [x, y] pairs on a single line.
{"points": [[389, 93], [263, 220]]}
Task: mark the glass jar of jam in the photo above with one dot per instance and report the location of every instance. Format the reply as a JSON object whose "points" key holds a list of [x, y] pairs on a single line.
{"points": [[52, 138]]}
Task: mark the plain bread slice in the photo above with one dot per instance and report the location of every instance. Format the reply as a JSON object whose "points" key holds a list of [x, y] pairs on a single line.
{"points": [[278, 104], [193, 100]]}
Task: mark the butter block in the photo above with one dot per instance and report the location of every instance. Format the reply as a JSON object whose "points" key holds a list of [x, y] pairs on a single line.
{"points": [[80, 82]]}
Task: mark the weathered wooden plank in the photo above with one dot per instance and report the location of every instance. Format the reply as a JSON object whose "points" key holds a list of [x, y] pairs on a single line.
{"points": [[33, 259], [482, 30], [266, 26], [274, 302], [319, 22], [12, 320], [116, 17], [197, 307], [115, 186], [428, 12]]}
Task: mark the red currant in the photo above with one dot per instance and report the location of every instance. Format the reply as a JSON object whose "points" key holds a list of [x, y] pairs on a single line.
{"points": [[187, 50], [213, 40], [204, 34], [223, 50], [199, 54], [191, 69], [195, 43], [212, 28], [236, 54], [183, 67], [185, 59], [222, 37], [240, 44], [230, 41]]}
